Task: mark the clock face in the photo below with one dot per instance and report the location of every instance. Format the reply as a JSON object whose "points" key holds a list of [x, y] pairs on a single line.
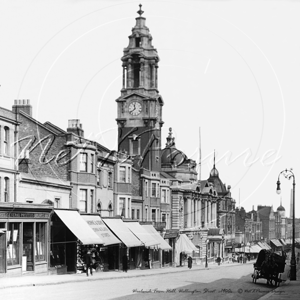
{"points": [[135, 108]]}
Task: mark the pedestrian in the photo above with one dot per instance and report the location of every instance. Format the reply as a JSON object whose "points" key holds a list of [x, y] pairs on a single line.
{"points": [[125, 263], [88, 262], [190, 262]]}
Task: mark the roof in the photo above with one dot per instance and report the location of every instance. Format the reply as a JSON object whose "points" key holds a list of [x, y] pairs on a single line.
{"points": [[280, 208]]}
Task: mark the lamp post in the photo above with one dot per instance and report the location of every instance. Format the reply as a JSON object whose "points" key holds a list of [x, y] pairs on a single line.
{"points": [[222, 247], [206, 265], [289, 174]]}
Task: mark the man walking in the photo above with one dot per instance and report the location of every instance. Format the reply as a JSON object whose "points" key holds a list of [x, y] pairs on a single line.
{"points": [[88, 262]]}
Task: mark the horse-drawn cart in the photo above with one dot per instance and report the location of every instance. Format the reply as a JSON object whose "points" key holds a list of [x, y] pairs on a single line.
{"points": [[270, 266]]}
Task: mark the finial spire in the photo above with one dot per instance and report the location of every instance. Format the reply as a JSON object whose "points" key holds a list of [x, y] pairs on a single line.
{"points": [[214, 158], [140, 11], [170, 139]]}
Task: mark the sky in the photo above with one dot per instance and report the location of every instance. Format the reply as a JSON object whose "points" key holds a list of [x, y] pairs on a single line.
{"points": [[228, 75]]}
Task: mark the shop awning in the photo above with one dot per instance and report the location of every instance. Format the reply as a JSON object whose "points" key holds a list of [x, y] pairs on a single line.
{"points": [[276, 243], [118, 227], [282, 242], [99, 227], [145, 237], [79, 227], [162, 243], [255, 249], [184, 244], [264, 245], [2, 230]]}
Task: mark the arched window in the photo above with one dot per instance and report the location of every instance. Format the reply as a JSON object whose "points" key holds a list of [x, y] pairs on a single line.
{"points": [[110, 210], [6, 141]]}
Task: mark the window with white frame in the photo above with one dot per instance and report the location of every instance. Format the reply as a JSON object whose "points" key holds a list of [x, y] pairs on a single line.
{"points": [[132, 214], [153, 214], [6, 189], [99, 174], [6, 141], [83, 162], [122, 206], [163, 196], [56, 202], [92, 163], [134, 146], [153, 189], [109, 179], [122, 174], [83, 200], [138, 214]]}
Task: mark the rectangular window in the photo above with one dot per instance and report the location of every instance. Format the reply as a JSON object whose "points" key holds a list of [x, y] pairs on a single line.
{"points": [[163, 196], [163, 217], [92, 163], [146, 188], [122, 176], [135, 145], [92, 201], [110, 180], [129, 175], [98, 177], [138, 214], [83, 162], [83, 200], [153, 193], [13, 243], [154, 215], [122, 207], [6, 189], [40, 246], [132, 214]]}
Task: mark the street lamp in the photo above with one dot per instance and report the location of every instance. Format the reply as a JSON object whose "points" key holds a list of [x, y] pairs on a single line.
{"points": [[222, 247], [206, 265], [289, 174]]}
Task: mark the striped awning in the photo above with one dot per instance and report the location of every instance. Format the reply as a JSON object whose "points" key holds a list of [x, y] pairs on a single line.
{"points": [[276, 243]]}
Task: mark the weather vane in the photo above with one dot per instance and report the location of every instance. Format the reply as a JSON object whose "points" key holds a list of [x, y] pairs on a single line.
{"points": [[140, 12]]}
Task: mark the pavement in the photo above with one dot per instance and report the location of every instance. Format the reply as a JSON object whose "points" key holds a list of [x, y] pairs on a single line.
{"points": [[287, 289], [45, 279]]}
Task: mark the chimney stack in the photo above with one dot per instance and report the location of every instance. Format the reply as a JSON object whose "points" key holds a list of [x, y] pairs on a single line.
{"points": [[22, 105], [75, 127]]}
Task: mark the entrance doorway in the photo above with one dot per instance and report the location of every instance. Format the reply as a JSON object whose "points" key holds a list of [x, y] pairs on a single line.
{"points": [[28, 247], [2, 252]]}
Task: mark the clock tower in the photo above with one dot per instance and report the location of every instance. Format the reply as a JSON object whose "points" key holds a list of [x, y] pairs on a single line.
{"points": [[140, 105]]}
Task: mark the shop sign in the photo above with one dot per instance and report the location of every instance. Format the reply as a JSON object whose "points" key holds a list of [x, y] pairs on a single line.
{"points": [[24, 215]]}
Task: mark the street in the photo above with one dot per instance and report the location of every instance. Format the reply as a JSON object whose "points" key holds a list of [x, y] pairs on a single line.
{"points": [[225, 282]]}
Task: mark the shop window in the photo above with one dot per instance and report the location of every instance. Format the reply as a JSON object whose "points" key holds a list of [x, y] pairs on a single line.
{"points": [[132, 214], [83, 200], [6, 189], [155, 254], [13, 244], [40, 247], [163, 217], [6, 141], [138, 214], [83, 162]]}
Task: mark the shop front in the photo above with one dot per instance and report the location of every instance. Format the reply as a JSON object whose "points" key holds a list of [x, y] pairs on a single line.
{"points": [[150, 256], [69, 232], [131, 248], [108, 255], [24, 232]]}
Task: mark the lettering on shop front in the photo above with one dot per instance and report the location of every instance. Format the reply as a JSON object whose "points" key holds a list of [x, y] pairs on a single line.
{"points": [[23, 215]]}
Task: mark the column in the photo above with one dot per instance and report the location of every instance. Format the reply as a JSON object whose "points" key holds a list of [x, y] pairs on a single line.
{"points": [[196, 213], [129, 74], [129, 208], [209, 214], [200, 212], [205, 213], [126, 207], [188, 213], [142, 74], [213, 213]]}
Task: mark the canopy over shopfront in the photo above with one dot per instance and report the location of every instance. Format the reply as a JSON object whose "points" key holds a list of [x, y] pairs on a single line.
{"points": [[144, 236], [248, 249], [163, 245], [99, 227], [184, 244], [276, 243], [118, 227], [79, 227], [264, 245]]}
